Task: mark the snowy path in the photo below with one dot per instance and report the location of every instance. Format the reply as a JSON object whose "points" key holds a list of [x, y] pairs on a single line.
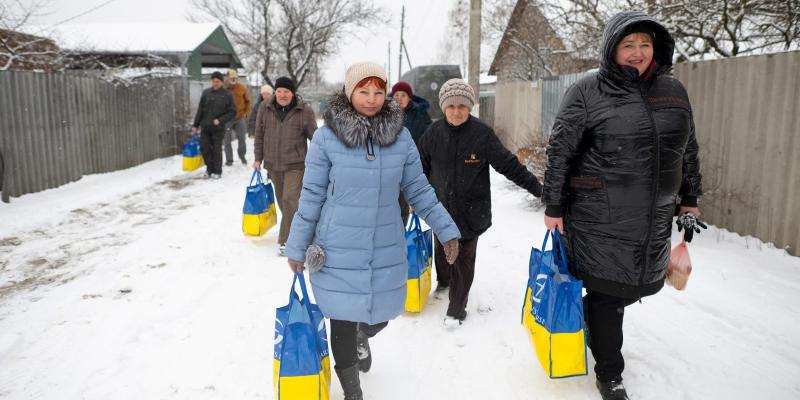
{"points": [[140, 285]]}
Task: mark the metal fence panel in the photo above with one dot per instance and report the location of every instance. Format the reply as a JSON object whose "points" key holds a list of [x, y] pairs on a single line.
{"points": [[486, 108], [553, 89], [60, 127], [746, 121]]}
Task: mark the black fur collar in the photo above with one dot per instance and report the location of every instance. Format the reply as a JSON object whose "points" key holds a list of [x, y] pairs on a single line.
{"points": [[353, 128]]}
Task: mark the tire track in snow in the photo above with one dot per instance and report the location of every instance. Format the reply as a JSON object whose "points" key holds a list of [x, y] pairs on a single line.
{"points": [[52, 255]]}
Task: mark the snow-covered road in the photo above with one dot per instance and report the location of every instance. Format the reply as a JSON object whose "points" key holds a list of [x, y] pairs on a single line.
{"points": [[140, 285]]}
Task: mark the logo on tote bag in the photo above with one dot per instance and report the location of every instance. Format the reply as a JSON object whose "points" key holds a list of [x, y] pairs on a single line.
{"points": [[536, 296]]}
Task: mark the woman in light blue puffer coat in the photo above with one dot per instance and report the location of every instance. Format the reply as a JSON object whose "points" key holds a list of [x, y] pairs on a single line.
{"points": [[348, 230]]}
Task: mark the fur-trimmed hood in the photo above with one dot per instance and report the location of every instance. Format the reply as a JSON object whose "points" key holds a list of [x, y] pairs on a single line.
{"points": [[353, 129]]}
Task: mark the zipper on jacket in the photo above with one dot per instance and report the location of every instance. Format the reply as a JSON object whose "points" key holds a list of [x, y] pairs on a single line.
{"points": [[370, 148], [653, 194]]}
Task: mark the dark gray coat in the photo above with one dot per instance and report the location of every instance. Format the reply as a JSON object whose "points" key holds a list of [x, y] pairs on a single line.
{"points": [[623, 149], [214, 104]]}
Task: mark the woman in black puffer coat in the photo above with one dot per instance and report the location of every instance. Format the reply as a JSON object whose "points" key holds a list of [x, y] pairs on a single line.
{"points": [[622, 154]]}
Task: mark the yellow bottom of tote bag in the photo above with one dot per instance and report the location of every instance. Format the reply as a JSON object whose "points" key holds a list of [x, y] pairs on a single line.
{"points": [[259, 224], [417, 291], [192, 163], [302, 387]]}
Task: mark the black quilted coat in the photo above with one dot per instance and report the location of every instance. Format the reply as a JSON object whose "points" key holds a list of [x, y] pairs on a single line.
{"points": [[456, 160], [622, 154]]}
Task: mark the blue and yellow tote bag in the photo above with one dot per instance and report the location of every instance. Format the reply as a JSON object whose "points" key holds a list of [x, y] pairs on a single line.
{"points": [[191, 154], [552, 312], [259, 212], [301, 368], [419, 244]]}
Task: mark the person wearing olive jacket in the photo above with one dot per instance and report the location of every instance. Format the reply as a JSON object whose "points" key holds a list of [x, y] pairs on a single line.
{"points": [[622, 153], [348, 231], [283, 128], [456, 153]]}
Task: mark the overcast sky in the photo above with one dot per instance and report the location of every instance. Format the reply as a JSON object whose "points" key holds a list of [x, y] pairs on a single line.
{"points": [[425, 25]]}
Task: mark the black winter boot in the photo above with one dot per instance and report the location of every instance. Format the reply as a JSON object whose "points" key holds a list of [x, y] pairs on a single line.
{"points": [[364, 353], [351, 385], [612, 390]]}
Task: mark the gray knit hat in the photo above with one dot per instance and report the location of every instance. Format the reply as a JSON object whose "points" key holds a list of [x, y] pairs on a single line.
{"points": [[360, 71], [454, 92]]}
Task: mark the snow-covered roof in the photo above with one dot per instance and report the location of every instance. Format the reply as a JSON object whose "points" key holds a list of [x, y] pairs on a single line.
{"points": [[486, 79], [129, 37]]}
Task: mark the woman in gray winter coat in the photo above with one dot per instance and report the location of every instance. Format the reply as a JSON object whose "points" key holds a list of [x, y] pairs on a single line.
{"points": [[348, 230]]}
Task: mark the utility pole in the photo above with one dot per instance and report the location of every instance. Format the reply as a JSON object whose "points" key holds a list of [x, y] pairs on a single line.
{"points": [[474, 63], [389, 61], [402, 44]]}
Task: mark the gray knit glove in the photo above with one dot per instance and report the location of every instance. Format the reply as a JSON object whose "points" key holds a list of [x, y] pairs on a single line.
{"points": [[451, 250]]}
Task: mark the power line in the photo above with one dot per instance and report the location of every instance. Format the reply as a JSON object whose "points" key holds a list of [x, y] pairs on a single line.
{"points": [[85, 12]]}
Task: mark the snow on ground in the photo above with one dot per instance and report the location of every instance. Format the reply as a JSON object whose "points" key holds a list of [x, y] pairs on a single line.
{"points": [[140, 285]]}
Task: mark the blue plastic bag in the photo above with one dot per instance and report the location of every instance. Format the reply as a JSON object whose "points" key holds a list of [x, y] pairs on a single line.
{"points": [[552, 312], [419, 244], [301, 367], [258, 213]]}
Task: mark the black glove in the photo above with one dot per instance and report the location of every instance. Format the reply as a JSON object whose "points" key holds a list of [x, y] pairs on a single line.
{"points": [[690, 224]]}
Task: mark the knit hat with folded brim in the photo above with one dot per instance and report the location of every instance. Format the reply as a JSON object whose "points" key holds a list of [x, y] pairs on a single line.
{"points": [[358, 72], [455, 92]]}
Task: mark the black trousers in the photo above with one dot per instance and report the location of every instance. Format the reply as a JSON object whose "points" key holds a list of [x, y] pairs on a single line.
{"points": [[211, 149], [457, 276], [604, 316], [343, 340]]}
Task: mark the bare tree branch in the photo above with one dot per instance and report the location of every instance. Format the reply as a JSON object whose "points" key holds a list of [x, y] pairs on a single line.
{"points": [[288, 36], [15, 14], [712, 28], [22, 51], [312, 30]]}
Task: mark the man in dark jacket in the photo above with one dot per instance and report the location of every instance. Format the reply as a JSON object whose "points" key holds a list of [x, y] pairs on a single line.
{"points": [[415, 119], [215, 110], [623, 150], [456, 153]]}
